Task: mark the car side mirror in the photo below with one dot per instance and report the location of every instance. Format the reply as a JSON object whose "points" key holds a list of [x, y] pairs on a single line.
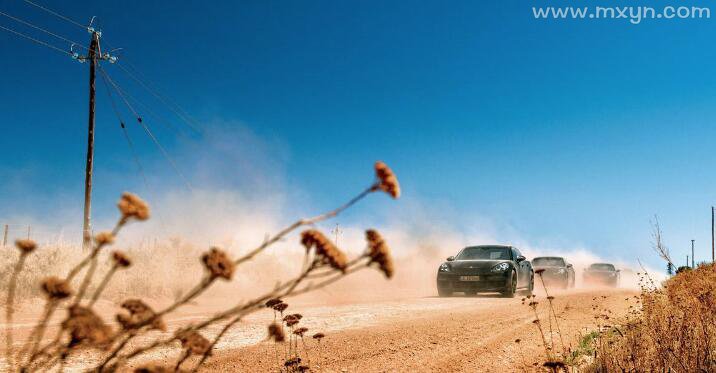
{"points": [[450, 258], [521, 258], [569, 266]]}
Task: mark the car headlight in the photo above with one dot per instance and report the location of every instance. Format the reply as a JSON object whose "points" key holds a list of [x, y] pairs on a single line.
{"points": [[444, 268], [561, 270], [500, 267]]}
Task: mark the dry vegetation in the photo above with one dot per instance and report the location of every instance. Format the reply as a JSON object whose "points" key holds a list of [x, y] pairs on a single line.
{"points": [[139, 329], [674, 330], [669, 328]]}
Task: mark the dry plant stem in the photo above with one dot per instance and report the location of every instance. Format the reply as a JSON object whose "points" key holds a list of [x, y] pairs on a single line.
{"points": [[302, 222], [541, 332], [93, 263], [185, 356], [554, 314], [114, 352], [39, 331], [10, 309], [282, 291], [223, 331], [103, 284]]}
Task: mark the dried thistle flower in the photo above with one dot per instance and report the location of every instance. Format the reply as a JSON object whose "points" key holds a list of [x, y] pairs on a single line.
{"points": [[140, 314], [379, 252], [292, 361], [131, 206], [86, 328], [104, 238], [56, 288], [272, 302], [280, 307], [218, 263], [121, 259], [276, 333], [539, 271], [291, 320], [300, 331], [298, 316], [312, 238], [319, 336], [194, 342], [303, 368], [26, 246], [153, 368], [388, 182]]}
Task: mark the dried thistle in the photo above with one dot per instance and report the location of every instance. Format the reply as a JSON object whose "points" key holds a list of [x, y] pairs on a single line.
{"points": [[153, 368], [26, 246], [312, 238], [276, 333], [218, 263], [291, 320], [272, 302], [280, 307], [292, 362], [319, 336], [379, 252], [121, 259], [194, 343], [104, 238], [139, 314], [86, 328], [539, 271], [132, 207], [388, 182], [300, 331], [56, 288]]}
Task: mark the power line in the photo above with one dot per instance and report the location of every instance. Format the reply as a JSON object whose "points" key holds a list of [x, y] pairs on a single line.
{"points": [[41, 29], [146, 129], [56, 14], [35, 40], [175, 108]]}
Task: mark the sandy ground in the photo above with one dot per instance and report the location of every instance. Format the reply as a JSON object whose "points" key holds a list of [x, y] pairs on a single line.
{"points": [[415, 334], [460, 334]]}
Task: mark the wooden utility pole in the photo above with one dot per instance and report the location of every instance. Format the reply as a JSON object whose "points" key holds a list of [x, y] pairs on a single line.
{"points": [[692, 254], [4, 236], [712, 234], [92, 57]]}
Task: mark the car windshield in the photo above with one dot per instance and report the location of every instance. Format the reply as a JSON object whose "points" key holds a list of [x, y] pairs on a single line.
{"points": [[484, 252], [548, 262], [602, 267]]}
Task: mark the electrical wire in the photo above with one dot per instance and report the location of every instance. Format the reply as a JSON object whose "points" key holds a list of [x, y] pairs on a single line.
{"points": [[35, 40], [124, 131], [146, 128], [56, 14], [172, 106], [26, 23]]}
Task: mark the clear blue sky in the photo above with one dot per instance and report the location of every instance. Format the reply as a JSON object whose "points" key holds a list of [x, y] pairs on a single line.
{"points": [[570, 132]]}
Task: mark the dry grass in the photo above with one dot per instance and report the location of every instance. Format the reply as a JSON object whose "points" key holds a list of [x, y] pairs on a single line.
{"points": [[107, 347], [674, 330]]}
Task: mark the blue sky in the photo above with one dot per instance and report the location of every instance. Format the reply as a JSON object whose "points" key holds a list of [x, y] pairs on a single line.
{"points": [[567, 132]]}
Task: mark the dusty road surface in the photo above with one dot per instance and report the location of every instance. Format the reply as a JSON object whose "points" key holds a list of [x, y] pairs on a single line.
{"points": [[470, 334]]}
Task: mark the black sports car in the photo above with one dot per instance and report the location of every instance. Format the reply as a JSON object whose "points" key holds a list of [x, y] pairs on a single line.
{"points": [[602, 273], [556, 271], [487, 268]]}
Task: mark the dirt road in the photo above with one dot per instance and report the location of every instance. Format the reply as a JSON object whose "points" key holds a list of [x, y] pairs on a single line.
{"points": [[428, 334], [471, 334]]}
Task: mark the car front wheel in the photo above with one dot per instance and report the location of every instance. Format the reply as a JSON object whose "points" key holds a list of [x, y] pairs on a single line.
{"points": [[512, 287], [442, 292]]}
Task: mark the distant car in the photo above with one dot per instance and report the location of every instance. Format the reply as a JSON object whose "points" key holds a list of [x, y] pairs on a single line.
{"points": [[556, 271], [602, 273], [487, 268]]}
